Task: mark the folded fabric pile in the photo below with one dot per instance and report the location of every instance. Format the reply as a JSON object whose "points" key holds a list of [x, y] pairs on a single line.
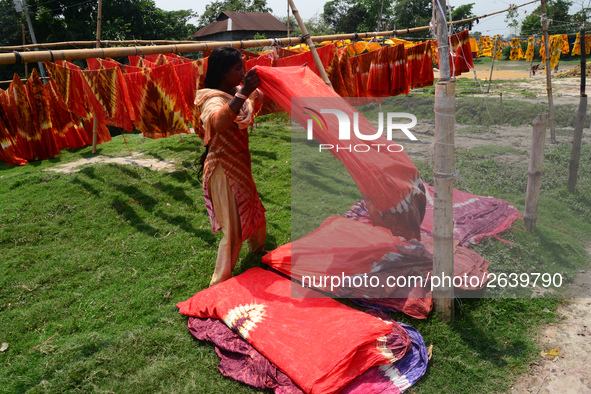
{"points": [[319, 344]]}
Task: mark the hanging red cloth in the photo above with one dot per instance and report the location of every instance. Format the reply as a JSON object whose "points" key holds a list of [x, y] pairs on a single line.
{"points": [[399, 82], [108, 97], [420, 65], [191, 76], [9, 151], [325, 53], [68, 128], [390, 181], [158, 102], [460, 53], [67, 81], [379, 77], [40, 111], [360, 65], [266, 60], [138, 61]]}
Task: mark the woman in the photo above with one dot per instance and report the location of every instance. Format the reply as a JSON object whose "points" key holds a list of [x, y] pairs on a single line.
{"points": [[225, 111]]}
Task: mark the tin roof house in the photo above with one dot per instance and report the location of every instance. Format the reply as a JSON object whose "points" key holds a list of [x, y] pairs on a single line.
{"points": [[235, 26]]}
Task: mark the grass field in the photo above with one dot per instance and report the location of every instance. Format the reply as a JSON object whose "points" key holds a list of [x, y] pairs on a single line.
{"points": [[93, 263]]}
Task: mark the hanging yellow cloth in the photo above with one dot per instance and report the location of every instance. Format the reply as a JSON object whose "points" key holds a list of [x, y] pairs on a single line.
{"points": [[529, 53], [516, 51], [499, 47], [484, 46]]}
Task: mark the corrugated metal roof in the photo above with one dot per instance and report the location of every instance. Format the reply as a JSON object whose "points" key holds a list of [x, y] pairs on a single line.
{"points": [[242, 21]]}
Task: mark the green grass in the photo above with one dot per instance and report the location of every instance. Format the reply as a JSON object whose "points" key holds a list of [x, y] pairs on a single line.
{"points": [[94, 262]]}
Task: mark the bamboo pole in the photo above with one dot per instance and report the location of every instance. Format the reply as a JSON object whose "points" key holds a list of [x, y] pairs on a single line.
{"points": [[494, 53], [63, 44], [310, 43], [548, 73], [98, 45], [24, 42], [501, 97], [575, 153], [27, 16], [288, 32], [532, 197], [183, 47], [443, 172]]}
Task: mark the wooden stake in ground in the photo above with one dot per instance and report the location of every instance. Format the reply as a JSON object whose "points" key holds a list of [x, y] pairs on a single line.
{"points": [[548, 73], [575, 153], [443, 172], [310, 43], [532, 197], [98, 45], [501, 97], [494, 55]]}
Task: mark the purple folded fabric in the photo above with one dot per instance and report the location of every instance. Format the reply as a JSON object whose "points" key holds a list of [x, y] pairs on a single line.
{"points": [[240, 361]]}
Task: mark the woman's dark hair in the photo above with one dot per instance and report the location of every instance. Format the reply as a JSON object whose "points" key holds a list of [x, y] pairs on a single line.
{"points": [[219, 62]]}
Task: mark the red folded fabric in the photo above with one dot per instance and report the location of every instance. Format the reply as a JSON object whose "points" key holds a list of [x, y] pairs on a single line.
{"points": [[319, 343]]}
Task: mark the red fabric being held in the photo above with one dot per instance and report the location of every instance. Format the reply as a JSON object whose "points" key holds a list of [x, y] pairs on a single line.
{"points": [[319, 343], [389, 182]]}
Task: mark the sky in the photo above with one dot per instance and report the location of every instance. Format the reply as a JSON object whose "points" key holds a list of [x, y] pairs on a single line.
{"points": [[308, 8]]}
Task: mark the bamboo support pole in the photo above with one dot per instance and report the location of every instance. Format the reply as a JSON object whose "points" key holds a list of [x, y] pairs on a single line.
{"points": [[494, 55], [575, 153], [532, 197], [548, 73], [184, 47], [63, 44], [443, 173], [24, 42], [501, 97], [310, 43], [98, 45]]}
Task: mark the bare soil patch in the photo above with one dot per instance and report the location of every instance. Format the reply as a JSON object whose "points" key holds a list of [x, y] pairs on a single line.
{"points": [[129, 160]]}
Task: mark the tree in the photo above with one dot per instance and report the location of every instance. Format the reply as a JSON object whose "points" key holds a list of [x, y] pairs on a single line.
{"points": [[512, 19], [557, 10], [344, 16], [413, 13], [213, 9], [462, 12]]}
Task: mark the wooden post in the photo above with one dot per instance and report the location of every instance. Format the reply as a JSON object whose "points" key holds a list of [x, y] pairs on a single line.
{"points": [[98, 45], [494, 55], [501, 96], [532, 197], [310, 43], [443, 173], [288, 33], [575, 153], [548, 73]]}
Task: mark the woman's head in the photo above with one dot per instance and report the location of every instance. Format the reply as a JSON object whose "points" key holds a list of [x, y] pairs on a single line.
{"points": [[224, 64]]}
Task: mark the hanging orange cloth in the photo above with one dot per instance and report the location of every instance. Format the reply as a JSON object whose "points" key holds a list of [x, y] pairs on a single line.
{"points": [[555, 50], [108, 97], [282, 52], [163, 58], [529, 53], [9, 150], [484, 46], [67, 81], [158, 102], [565, 48], [419, 65], [68, 128], [40, 112], [264, 60]]}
